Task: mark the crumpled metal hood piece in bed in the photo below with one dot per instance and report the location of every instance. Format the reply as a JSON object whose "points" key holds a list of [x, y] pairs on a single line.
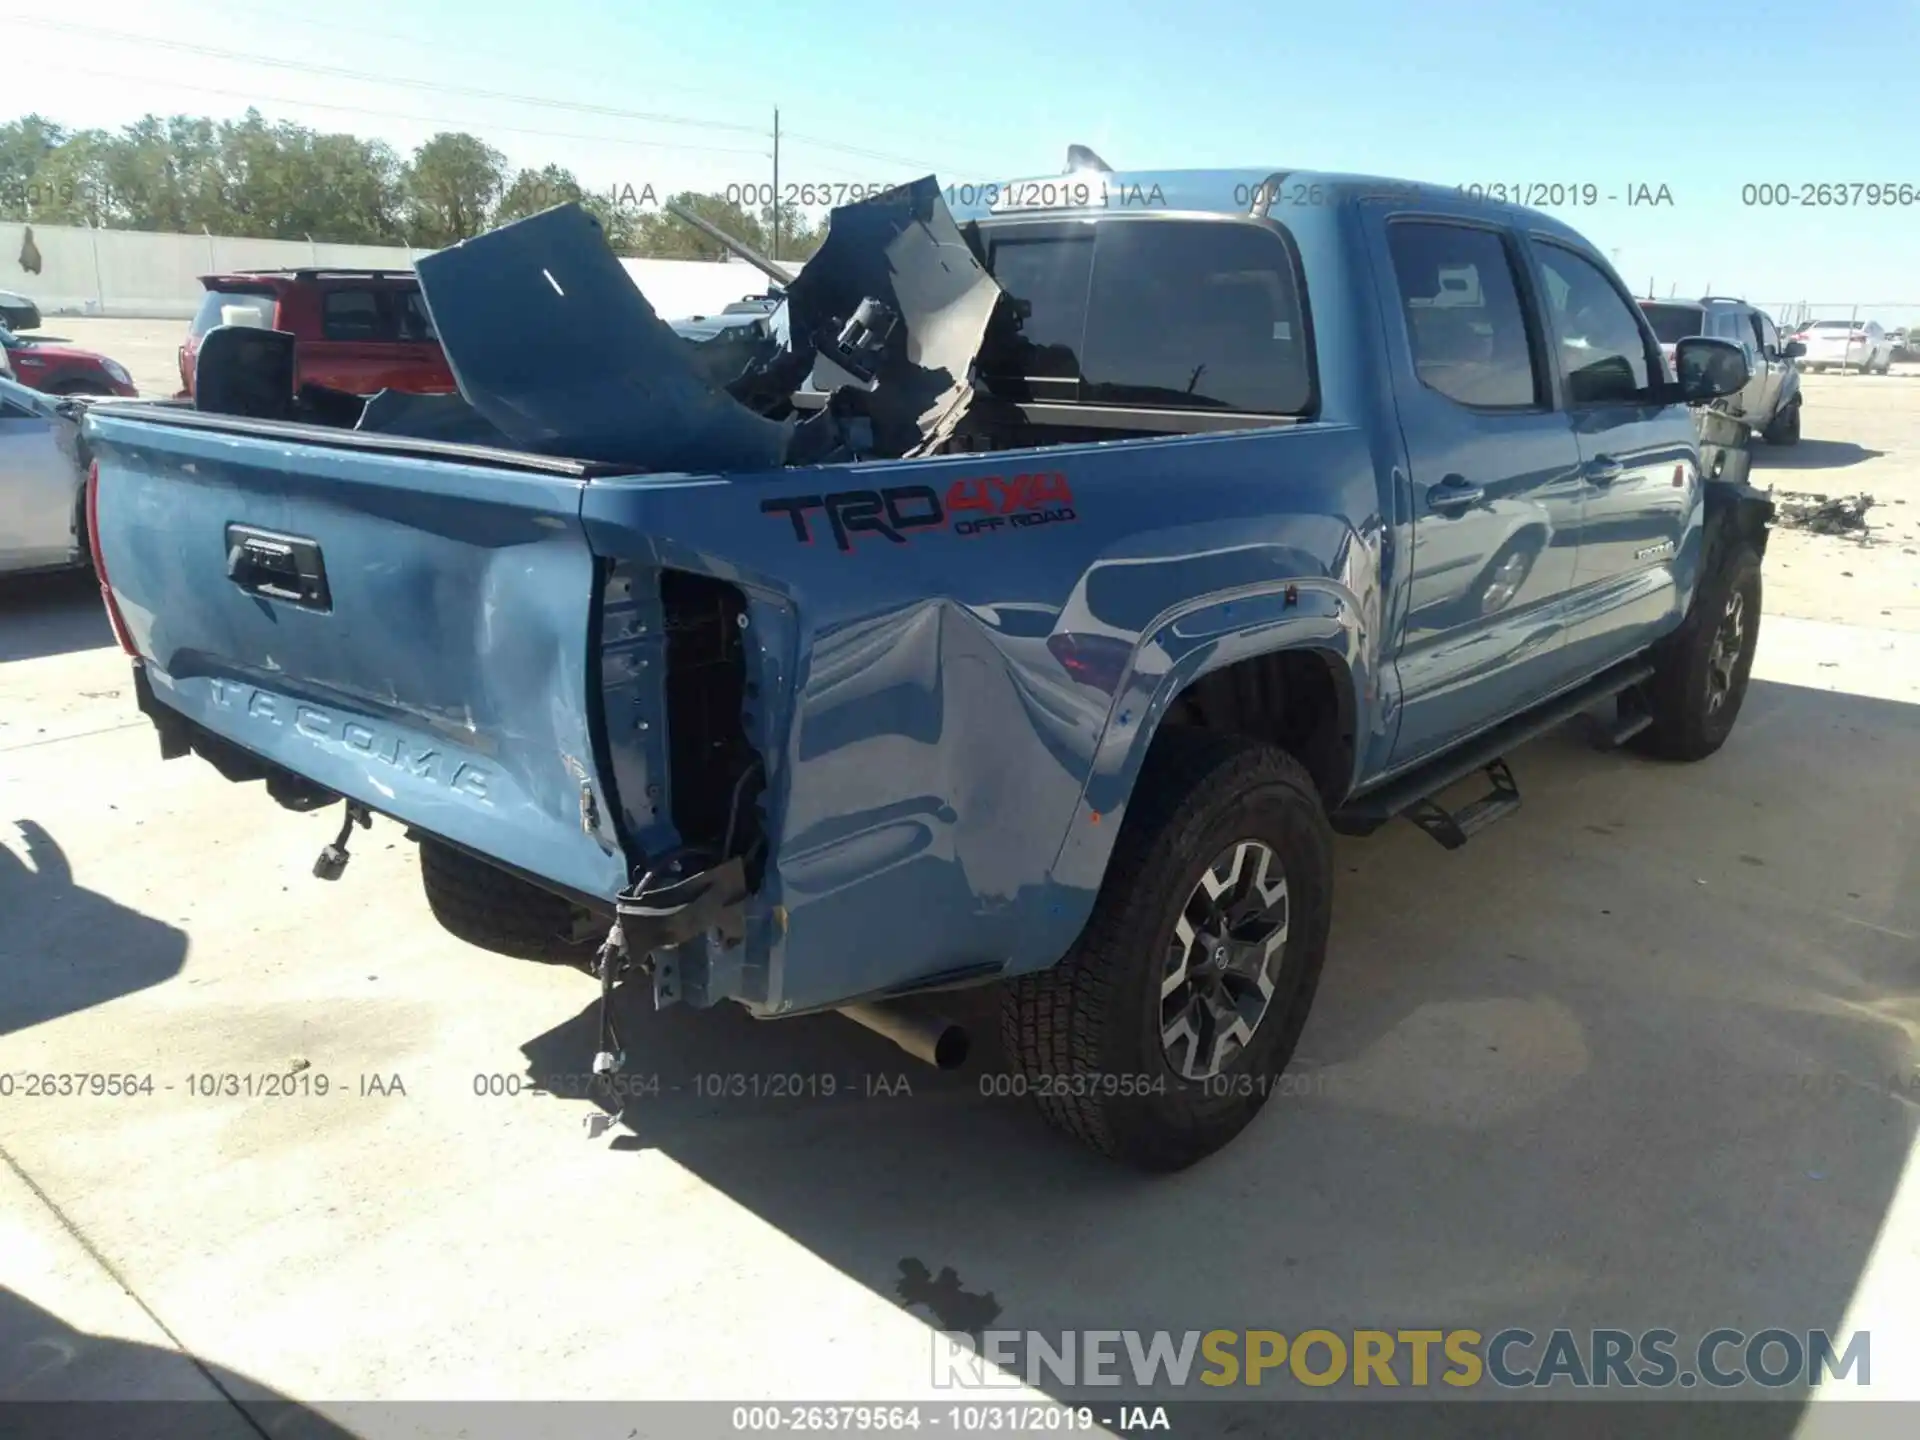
{"points": [[553, 345]]}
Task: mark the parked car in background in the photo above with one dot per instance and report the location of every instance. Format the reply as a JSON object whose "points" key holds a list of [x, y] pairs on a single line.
{"points": [[42, 470], [1770, 400], [17, 312], [357, 330], [1847, 345], [60, 369], [1903, 346]]}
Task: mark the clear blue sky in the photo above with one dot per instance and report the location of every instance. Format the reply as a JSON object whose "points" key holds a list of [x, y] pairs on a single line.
{"points": [[1701, 98]]}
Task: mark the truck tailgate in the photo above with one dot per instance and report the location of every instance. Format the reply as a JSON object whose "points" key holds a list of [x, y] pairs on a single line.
{"points": [[410, 631]]}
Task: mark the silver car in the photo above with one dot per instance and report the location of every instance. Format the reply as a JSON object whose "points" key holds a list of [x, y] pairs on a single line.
{"points": [[1847, 345], [42, 520]]}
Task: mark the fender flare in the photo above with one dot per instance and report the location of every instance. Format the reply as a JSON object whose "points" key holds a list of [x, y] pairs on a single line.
{"points": [[1208, 635]]}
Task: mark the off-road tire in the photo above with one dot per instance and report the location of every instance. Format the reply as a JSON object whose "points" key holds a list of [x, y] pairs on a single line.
{"points": [[1686, 724], [1084, 1037], [483, 905], [1785, 429]]}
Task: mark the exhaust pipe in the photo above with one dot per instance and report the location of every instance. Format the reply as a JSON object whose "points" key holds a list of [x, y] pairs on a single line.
{"points": [[941, 1043]]}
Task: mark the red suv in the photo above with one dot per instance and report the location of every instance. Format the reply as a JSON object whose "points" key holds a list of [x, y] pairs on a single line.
{"points": [[358, 330]]}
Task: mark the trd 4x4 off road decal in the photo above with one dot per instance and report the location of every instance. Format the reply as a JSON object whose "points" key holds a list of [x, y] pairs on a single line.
{"points": [[978, 505]]}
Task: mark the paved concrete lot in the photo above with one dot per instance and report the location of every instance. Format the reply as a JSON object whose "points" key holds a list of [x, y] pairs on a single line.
{"points": [[1643, 1056]]}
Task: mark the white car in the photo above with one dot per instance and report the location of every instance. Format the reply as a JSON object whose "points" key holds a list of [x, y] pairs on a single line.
{"points": [[1846, 345], [42, 517]]}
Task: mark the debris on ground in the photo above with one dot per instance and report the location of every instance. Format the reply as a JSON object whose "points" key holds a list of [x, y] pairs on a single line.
{"points": [[1822, 514]]}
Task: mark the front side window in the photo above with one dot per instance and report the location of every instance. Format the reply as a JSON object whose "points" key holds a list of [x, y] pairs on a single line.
{"points": [[1465, 322], [1601, 349]]}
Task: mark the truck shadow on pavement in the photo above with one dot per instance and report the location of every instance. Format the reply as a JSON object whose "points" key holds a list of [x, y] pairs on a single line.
{"points": [[1640, 1057], [64, 948], [57, 1381], [1812, 455], [52, 614]]}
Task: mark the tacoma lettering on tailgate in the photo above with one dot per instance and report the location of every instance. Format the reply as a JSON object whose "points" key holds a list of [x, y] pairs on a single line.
{"points": [[421, 761]]}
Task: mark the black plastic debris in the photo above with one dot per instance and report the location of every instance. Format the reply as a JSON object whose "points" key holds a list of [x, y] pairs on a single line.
{"points": [[1822, 514], [896, 303]]}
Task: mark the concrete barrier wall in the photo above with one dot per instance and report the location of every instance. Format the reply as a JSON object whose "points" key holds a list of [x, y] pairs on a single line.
{"points": [[149, 275]]}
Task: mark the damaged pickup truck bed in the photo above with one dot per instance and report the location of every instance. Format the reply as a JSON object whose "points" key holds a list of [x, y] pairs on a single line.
{"points": [[1030, 612]]}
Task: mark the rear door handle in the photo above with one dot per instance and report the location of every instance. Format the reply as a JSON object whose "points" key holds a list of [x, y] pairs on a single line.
{"points": [[1604, 470], [1453, 493]]}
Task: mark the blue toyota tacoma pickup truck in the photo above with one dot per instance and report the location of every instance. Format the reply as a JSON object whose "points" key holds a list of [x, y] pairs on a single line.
{"points": [[1087, 552]]}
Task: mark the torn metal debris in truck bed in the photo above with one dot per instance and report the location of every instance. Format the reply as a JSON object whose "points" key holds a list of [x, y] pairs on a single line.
{"points": [[553, 346]]}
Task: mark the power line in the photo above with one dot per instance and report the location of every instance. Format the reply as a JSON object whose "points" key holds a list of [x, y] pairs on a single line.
{"points": [[866, 154], [342, 72], [435, 43], [255, 96], [582, 107]]}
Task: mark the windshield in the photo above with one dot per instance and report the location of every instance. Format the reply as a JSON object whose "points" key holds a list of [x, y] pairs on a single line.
{"points": [[1674, 323], [1835, 325], [232, 307]]}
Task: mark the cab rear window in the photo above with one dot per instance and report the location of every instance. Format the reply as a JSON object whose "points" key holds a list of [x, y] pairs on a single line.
{"points": [[232, 307], [1674, 323], [1153, 313]]}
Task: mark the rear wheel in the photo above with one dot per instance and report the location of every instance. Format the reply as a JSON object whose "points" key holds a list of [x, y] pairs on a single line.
{"points": [[483, 905], [1701, 670], [1163, 1031]]}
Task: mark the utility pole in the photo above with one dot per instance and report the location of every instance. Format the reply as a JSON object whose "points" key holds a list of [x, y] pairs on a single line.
{"points": [[776, 182]]}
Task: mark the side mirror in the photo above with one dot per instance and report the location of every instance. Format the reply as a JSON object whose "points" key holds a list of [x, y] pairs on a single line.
{"points": [[1793, 350], [1708, 369]]}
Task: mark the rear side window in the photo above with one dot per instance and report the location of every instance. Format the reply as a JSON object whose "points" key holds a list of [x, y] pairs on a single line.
{"points": [[1602, 352], [232, 307], [1202, 315], [1465, 322], [353, 315], [1674, 323], [415, 323]]}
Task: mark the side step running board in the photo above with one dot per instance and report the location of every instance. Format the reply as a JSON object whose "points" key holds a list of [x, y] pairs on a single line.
{"points": [[1453, 828], [1412, 794]]}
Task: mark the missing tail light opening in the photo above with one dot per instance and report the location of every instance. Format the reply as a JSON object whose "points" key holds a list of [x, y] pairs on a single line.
{"points": [[716, 776]]}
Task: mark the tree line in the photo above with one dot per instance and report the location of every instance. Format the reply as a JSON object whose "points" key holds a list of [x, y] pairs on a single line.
{"points": [[279, 180]]}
